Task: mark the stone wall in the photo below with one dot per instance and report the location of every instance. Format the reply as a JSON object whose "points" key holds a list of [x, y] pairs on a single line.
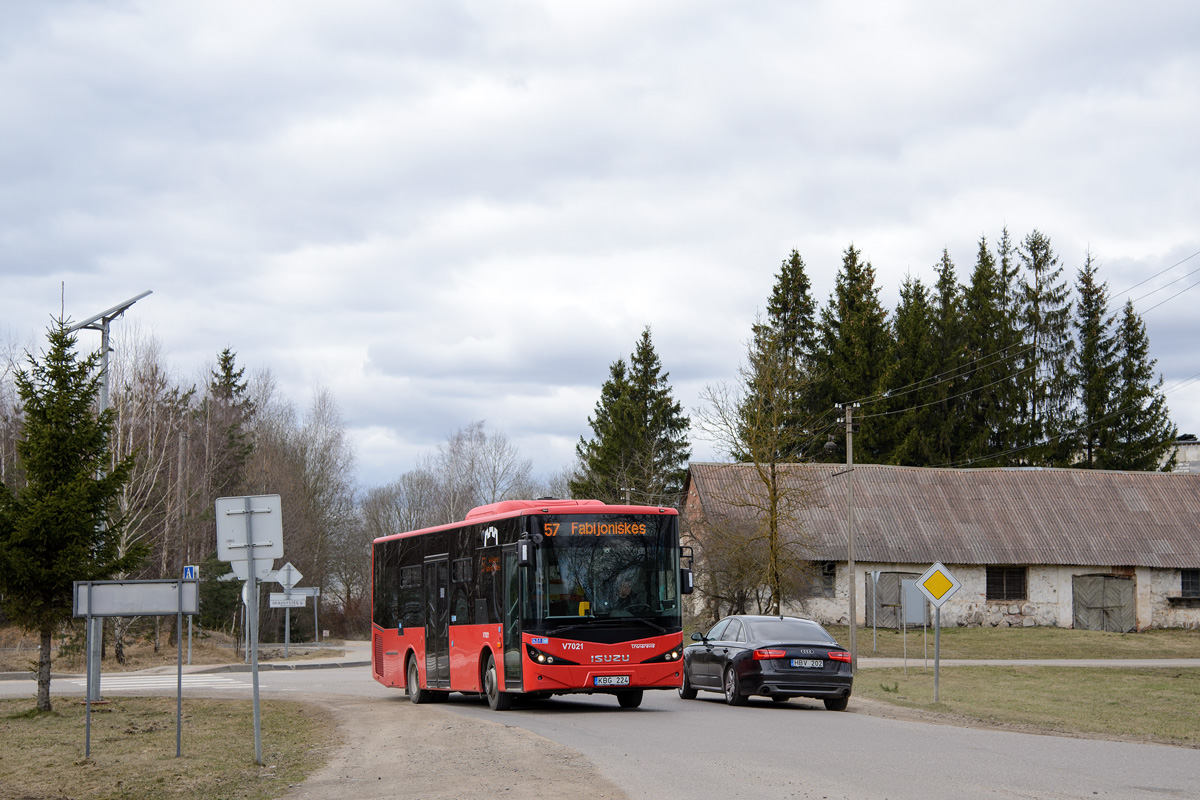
{"points": [[1049, 599]]}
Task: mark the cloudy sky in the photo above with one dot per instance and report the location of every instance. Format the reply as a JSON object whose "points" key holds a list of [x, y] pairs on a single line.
{"points": [[450, 211]]}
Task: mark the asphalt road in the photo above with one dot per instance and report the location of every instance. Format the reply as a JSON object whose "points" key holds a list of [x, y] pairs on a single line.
{"points": [[674, 748]]}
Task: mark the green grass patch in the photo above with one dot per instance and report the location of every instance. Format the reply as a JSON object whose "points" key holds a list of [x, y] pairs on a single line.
{"points": [[1153, 705], [133, 749], [1025, 643]]}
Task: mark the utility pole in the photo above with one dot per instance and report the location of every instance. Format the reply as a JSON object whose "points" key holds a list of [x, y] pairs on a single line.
{"points": [[850, 537]]}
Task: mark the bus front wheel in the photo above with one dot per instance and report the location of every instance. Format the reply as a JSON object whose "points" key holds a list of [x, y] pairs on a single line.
{"points": [[413, 685], [497, 700], [631, 698]]}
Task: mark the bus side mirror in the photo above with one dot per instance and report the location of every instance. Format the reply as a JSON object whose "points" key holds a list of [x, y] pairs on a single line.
{"points": [[525, 551], [686, 583]]}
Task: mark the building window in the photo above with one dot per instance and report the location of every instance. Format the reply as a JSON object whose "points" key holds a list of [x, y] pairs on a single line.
{"points": [[824, 578], [1189, 580], [1006, 583]]}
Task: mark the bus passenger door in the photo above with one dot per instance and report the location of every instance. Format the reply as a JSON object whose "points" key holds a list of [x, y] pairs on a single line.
{"points": [[511, 617], [437, 622]]}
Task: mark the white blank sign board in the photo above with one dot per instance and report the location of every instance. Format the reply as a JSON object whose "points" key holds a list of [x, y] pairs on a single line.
{"points": [[134, 598], [266, 516]]}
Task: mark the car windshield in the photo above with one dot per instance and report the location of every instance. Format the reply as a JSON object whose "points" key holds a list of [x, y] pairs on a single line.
{"points": [[789, 630], [605, 568]]}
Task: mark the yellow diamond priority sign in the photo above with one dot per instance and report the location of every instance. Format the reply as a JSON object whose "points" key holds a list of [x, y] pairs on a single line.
{"points": [[938, 584]]}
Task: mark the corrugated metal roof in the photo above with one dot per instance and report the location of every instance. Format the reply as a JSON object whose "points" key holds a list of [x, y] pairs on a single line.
{"points": [[980, 516]]}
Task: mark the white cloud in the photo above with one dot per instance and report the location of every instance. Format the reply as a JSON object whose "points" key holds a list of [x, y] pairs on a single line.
{"points": [[456, 211]]}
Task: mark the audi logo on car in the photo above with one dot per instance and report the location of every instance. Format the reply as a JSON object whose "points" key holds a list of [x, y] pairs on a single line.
{"points": [[807, 651]]}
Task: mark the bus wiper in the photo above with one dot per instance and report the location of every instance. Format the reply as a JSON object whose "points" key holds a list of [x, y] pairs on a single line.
{"points": [[654, 625], [597, 622]]}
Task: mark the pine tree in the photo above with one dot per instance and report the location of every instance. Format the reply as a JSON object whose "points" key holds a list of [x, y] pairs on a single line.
{"points": [[853, 341], [1141, 433], [639, 446], [1093, 363], [62, 525], [1047, 387]]}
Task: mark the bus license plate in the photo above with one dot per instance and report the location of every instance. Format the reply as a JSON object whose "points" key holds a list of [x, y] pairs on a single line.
{"points": [[611, 680], [807, 662]]}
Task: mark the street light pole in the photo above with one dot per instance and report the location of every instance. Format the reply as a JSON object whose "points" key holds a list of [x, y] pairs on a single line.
{"points": [[100, 322]]}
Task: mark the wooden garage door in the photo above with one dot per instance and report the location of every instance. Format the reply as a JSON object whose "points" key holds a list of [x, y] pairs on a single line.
{"points": [[1104, 603]]}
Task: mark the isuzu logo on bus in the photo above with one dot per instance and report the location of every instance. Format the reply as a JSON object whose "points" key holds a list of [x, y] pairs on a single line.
{"points": [[609, 659]]}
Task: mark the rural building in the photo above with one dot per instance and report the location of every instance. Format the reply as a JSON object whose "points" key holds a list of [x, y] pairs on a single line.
{"points": [[1031, 546]]}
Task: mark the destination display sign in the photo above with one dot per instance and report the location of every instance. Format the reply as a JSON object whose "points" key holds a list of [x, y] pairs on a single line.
{"points": [[566, 526]]}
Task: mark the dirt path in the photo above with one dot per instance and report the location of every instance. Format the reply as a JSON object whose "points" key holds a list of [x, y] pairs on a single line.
{"points": [[395, 749]]}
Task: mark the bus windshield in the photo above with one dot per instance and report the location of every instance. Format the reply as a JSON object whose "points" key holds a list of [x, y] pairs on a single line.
{"points": [[605, 567]]}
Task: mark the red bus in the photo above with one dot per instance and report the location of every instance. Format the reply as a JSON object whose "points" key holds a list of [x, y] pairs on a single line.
{"points": [[533, 598]]}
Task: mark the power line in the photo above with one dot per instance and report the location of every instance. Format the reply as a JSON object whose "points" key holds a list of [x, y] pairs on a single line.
{"points": [[1155, 275]]}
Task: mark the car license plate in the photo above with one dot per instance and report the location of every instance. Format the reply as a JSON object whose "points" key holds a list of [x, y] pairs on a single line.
{"points": [[611, 680], [808, 662]]}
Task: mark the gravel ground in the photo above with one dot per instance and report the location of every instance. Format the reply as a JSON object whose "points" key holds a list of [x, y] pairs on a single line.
{"points": [[392, 748]]}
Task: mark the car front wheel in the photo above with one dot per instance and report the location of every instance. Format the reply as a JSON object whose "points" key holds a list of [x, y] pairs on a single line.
{"points": [[732, 695], [686, 690]]}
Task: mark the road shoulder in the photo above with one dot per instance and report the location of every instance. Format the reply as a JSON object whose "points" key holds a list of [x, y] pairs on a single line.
{"points": [[392, 748]]}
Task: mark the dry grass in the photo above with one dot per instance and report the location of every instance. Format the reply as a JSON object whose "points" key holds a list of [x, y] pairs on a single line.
{"points": [[1151, 705], [19, 652], [133, 749], [1023, 643]]}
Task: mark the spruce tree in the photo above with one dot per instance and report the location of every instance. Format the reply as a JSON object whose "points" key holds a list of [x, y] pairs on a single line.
{"points": [[947, 433], [1140, 431], [62, 526], [1093, 363], [1047, 391], [912, 368], [639, 446], [986, 346], [787, 337], [1006, 435], [853, 342]]}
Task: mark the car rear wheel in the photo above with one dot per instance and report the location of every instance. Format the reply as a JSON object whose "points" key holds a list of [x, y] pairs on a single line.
{"points": [[686, 690], [630, 699], [837, 703], [413, 685], [497, 700], [733, 696]]}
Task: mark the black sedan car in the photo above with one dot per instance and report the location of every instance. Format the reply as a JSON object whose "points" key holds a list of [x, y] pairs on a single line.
{"points": [[775, 657]]}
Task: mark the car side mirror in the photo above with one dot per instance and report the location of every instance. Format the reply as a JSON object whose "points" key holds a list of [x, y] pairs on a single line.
{"points": [[697, 637]]}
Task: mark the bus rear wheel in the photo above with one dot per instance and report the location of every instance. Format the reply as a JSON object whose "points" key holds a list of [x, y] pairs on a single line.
{"points": [[413, 685], [631, 698], [497, 700]]}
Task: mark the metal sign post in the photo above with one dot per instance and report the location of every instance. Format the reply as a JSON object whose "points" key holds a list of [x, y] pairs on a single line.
{"points": [[96, 600], [286, 576], [238, 541], [937, 584], [874, 611]]}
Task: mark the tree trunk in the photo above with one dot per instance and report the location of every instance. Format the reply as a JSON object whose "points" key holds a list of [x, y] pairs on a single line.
{"points": [[43, 695]]}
